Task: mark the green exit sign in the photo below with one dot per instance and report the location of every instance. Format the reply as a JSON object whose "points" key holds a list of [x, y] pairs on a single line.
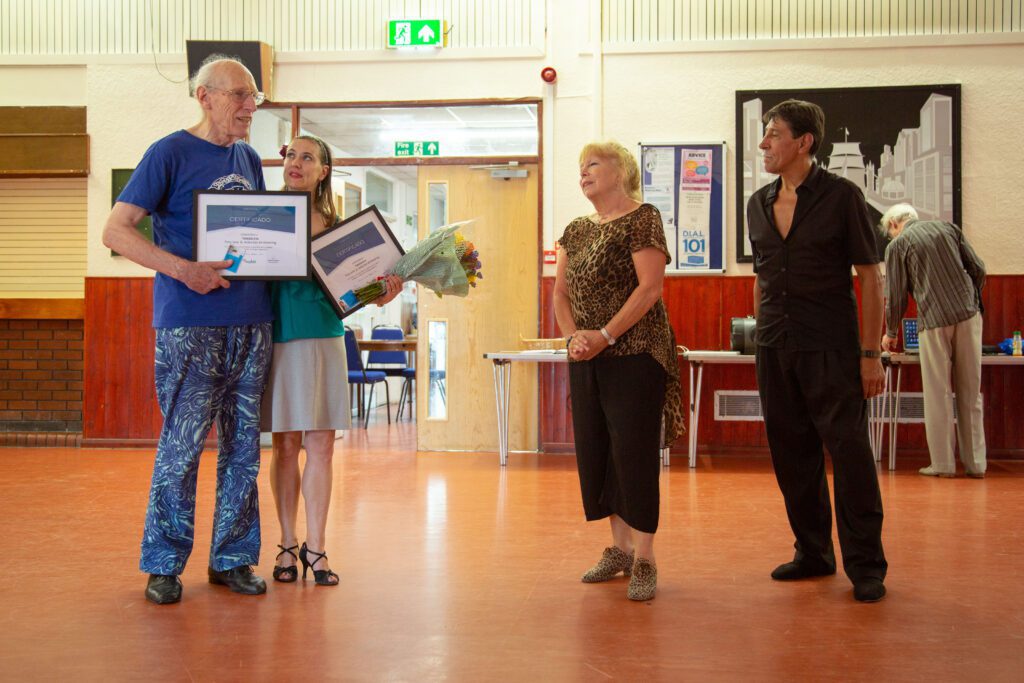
{"points": [[418, 148], [416, 33]]}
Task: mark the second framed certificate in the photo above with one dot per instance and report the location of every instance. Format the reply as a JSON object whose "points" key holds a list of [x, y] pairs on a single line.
{"points": [[351, 255], [264, 234]]}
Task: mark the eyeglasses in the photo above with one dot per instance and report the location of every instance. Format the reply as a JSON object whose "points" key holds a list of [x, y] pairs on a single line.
{"points": [[242, 95]]}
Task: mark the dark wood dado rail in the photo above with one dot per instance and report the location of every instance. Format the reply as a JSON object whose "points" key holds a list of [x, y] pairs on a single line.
{"points": [[42, 309]]}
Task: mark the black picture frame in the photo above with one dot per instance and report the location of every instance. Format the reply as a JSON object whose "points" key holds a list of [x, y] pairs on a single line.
{"points": [[365, 245], [908, 139], [275, 258]]}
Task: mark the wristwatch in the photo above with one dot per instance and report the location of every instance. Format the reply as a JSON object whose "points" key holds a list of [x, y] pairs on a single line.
{"points": [[607, 337], [866, 353]]}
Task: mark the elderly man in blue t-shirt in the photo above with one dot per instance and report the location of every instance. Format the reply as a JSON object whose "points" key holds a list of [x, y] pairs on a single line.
{"points": [[213, 338]]}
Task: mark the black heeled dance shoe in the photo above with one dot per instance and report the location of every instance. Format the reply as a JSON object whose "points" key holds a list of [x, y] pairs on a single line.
{"points": [[286, 574], [323, 577]]}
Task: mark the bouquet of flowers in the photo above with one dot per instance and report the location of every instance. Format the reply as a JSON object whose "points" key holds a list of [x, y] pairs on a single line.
{"points": [[444, 262]]}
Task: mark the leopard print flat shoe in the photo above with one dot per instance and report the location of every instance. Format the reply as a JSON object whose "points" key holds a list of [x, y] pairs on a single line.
{"points": [[644, 581], [613, 561]]}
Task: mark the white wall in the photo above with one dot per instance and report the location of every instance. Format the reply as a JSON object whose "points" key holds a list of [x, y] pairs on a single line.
{"points": [[656, 95], [130, 106], [42, 86]]}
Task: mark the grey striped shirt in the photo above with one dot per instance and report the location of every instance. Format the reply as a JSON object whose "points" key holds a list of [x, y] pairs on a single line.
{"points": [[926, 261]]}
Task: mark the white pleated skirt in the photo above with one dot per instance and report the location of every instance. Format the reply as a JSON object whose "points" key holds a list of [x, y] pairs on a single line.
{"points": [[308, 387]]}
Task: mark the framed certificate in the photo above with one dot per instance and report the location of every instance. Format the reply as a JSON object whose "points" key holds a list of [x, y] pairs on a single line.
{"points": [[351, 255], [264, 234]]}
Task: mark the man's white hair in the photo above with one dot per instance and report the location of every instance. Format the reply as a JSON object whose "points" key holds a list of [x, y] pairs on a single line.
{"points": [[205, 74], [898, 213]]}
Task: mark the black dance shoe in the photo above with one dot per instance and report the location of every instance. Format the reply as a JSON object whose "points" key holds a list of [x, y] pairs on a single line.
{"points": [[794, 571], [239, 579], [163, 589], [290, 573], [323, 577], [868, 590]]}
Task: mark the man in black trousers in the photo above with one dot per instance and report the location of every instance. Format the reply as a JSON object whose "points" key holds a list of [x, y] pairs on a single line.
{"points": [[815, 370]]}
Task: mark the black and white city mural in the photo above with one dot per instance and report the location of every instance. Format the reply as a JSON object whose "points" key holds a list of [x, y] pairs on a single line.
{"points": [[897, 144]]}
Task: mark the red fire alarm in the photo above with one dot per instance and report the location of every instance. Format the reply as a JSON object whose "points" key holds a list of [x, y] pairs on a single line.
{"points": [[548, 74], [549, 256]]}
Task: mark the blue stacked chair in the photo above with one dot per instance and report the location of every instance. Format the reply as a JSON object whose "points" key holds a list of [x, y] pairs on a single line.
{"points": [[391, 363], [408, 386], [359, 377]]}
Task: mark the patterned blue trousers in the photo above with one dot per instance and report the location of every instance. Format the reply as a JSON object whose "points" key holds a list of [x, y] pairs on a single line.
{"points": [[203, 374]]}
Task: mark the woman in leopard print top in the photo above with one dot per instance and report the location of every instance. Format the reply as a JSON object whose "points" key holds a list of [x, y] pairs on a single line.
{"points": [[623, 373]]}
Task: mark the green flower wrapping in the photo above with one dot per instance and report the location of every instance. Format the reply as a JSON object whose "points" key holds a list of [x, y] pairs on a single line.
{"points": [[436, 262]]}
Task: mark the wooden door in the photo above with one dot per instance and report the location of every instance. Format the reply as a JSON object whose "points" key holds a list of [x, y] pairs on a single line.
{"points": [[496, 313]]}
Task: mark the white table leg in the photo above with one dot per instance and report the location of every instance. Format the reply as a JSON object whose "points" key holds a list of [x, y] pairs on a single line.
{"points": [[879, 416], [502, 379], [689, 432], [664, 447], [894, 420], [694, 410], [871, 428], [876, 412]]}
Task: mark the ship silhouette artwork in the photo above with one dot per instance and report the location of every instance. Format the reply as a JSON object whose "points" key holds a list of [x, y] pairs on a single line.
{"points": [[847, 161]]}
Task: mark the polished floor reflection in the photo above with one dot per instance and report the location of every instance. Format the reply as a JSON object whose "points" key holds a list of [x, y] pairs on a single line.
{"points": [[455, 569]]}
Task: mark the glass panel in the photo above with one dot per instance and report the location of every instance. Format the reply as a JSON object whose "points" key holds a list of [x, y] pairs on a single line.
{"points": [[353, 203], [270, 129], [462, 130], [378, 192], [438, 205], [391, 188], [437, 350]]}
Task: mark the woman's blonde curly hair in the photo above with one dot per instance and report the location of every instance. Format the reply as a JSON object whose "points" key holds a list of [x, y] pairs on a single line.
{"points": [[622, 158]]}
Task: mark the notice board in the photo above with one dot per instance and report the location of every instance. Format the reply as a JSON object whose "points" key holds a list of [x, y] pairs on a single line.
{"points": [[686, 182]]}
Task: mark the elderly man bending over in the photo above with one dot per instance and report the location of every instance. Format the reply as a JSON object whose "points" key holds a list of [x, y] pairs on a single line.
{"points": [[933, 261]]}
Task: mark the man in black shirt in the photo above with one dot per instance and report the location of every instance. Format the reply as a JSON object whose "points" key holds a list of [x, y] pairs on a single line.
{"points": [[814, 371]]}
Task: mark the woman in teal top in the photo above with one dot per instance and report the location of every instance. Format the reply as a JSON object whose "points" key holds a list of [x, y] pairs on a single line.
{"points": [[307, 395]]}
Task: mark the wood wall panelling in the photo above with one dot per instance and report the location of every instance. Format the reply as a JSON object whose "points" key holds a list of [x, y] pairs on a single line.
{"points": [[120, 401], [44, 156], [54, 120], [700, 309], [39, 142]]}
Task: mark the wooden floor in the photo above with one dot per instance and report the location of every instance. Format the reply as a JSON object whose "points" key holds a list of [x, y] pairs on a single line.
{"points": [[453, 568]]}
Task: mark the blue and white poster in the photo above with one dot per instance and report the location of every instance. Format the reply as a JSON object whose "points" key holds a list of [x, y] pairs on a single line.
{"points": [[686, 182]]}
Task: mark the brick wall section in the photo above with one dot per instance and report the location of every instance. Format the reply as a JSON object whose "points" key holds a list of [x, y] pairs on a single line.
{"points": [[41, 366]]}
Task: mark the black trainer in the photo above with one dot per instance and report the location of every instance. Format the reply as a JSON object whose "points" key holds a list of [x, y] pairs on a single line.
{"points": [[868, 590], [793, 571], [239, 579], [163, 589]]}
